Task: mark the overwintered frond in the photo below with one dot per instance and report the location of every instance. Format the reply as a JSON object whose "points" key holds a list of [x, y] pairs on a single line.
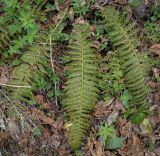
{"points": [[33, 62], [122, 34], [81, 90]]}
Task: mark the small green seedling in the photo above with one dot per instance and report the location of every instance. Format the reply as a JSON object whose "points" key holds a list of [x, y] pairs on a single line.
{"points": [[110, 140], [37, 132]]}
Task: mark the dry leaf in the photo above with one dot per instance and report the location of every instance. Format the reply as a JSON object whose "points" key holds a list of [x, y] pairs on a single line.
{"points": [[57, 5], [99, 149], [67, 125], [122, 2], [112, 117], [3, 76], [55, 140], [41, 116], [155, 48], [146, 127], [156, 72], [14, 130], [39, 99]]}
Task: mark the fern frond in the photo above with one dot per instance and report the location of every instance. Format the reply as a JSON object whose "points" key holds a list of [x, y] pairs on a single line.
{"points": [[33, 62], [122, 34], [5, 38], [81, 90]]}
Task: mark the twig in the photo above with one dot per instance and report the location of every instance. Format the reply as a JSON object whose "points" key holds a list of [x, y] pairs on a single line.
{"points": [[52, 64], [14, 86], [3, 115]]}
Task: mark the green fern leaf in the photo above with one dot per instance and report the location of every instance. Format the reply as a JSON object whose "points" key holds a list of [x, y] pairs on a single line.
{"points": [[81, 90], [122, 34], [5, 38], [33, 62]]}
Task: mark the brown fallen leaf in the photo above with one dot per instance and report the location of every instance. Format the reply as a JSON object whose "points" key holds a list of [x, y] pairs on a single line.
{"points": [[102, 109], [39, 99], [61, 5], [14, 130], [55, 140], [3, 137], [122, 2], [155, 48], [146, 127], [154, 85], [41, 116], [3, 76], [156, 72], [99, 149]]}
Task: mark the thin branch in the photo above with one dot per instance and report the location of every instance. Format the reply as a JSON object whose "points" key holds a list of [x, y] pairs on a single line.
{"points": [[52, 64], [14, 86]]}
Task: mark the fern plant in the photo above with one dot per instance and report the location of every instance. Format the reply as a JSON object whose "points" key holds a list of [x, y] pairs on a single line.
{"points": [[33, 62], [122, 34], [81, 90], [5, 38]]}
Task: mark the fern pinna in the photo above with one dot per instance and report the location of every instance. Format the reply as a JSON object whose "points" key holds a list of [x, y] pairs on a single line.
{"points": [[122, 34], [81, 90]]}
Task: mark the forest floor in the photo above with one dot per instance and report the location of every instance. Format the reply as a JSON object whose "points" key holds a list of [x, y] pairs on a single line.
{"points": [[42, 129]]}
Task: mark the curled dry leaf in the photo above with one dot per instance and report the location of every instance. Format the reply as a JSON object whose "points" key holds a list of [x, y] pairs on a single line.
{"points": [[55, 140], [155, 48]]}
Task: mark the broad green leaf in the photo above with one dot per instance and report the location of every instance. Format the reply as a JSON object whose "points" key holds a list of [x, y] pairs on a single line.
{"points": [[37, 132], [125, 97], [114, 143], [107, 132]]}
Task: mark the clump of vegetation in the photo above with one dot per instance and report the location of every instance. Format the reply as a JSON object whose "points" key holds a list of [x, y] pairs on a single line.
{"points": [[109, 136], [152, 26], [20, 19], [80, 7], [152, 30]]}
